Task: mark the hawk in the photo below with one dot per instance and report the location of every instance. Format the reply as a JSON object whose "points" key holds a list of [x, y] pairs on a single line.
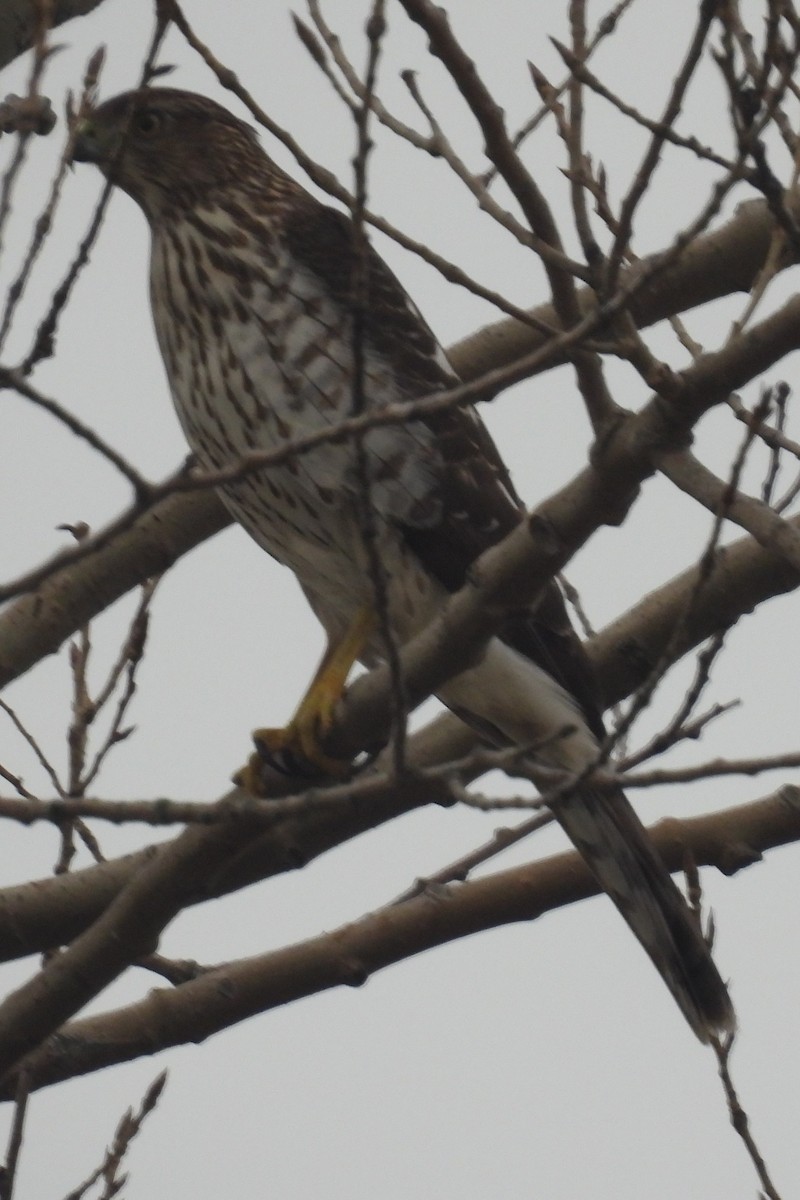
{"points": [[251, 286]]}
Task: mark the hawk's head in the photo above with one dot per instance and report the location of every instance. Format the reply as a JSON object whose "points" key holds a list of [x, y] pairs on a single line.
{"points": [[166, 147]]}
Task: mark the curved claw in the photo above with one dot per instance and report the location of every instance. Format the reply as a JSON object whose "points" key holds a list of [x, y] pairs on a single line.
{"points": [[297, 749], [291, 751], [249, 777]]}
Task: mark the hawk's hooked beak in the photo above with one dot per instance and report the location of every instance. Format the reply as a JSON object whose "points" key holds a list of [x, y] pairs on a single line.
{"points": [[90, 144]]}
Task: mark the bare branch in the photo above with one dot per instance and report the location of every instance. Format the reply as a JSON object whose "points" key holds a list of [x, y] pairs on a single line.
{"points": [[739, 1118], [350, 955], [9, 1170], [127, 1129], [13, 379], [75, 591]]}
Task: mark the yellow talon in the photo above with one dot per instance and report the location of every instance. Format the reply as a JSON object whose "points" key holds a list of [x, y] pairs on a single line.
{"points": [[297, 748]]}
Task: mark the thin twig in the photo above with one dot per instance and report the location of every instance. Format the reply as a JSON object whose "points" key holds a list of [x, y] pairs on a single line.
{"points": [[14, 379], [44, 221], [650, 161], [376, 27], [44, 338], [29, 737], [9, 1171], [645, 692], [739, 1118], [41, 55], [327, 181], [607, 26], [127, 1129]]}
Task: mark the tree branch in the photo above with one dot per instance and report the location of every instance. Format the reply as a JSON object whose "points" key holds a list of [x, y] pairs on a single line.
{"points": [[725, 261], [52, 911], [348, 956], [719, 263], [38, 623]]}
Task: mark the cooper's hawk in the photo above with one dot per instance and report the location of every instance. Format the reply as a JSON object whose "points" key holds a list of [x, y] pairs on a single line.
{"points": [[251, 290]]}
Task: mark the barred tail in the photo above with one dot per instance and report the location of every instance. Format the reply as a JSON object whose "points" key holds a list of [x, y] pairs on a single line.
{"points": [[605, 829]]}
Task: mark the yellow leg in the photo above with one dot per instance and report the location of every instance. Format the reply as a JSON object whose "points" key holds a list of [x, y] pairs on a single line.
{"points": [[298, 745]]}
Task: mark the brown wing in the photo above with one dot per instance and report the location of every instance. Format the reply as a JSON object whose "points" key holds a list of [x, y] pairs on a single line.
{"points": [[479, 505]]}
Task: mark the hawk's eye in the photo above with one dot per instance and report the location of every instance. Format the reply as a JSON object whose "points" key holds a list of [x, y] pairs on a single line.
{"points": [[147, 122]]}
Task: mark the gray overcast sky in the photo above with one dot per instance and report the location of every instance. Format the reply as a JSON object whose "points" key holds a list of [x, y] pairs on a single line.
{"points": [[538, 1061]]}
